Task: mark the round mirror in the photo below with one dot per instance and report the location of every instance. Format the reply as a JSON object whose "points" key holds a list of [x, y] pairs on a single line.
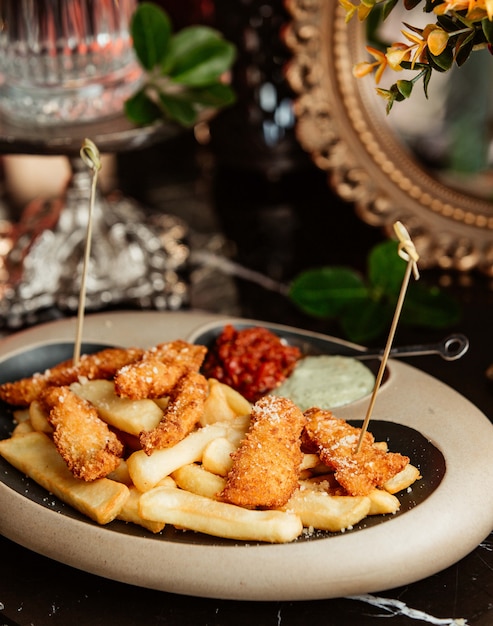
{"points": [[372, 158]]}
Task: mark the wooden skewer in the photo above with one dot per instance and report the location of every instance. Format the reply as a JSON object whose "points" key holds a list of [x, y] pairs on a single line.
{"points": [[406, 251], [90, 155]]}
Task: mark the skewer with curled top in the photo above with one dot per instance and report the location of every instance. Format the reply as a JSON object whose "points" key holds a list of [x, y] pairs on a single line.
{"points": [[407, 251], [90, 155]]}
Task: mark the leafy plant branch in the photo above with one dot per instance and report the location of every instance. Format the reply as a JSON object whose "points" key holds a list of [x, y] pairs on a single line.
{"points": [[364, 305], [460, 27], [184, 71]]}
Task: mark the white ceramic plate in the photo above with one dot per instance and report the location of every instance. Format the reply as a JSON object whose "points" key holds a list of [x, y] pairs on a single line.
{"points": [[440, 527]]}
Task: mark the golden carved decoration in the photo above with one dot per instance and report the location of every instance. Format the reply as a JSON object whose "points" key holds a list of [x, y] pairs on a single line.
{"points": [[343, 125]]}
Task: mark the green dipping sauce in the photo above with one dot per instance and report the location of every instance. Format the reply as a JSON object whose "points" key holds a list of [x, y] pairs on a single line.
{"points": [[326, 382]]}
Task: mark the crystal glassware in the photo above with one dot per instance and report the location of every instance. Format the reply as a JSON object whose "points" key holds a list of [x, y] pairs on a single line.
{"points": [[65, 61]]}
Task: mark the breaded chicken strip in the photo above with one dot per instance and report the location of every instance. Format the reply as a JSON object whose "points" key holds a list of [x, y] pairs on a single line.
{"points": [[266, 466], [159, 370], [180, 351], [335, 441], [102, 365], [89, 448], [183, 412]]}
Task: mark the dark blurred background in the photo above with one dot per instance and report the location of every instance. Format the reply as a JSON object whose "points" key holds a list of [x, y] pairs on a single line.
{"points": [[246, 174]]}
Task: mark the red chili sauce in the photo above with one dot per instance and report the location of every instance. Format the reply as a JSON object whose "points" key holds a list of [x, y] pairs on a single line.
{"points": [[252, 360]]}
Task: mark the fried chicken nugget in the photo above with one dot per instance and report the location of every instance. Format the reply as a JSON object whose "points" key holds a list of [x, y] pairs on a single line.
{"points": [[335, 441], [189, 354], [86, 444], [158, 370], [185, 407], [266, 466], [103, 364]]}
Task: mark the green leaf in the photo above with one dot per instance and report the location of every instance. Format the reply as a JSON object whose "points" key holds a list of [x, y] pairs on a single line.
{"points": [[390, 95], [150, 28], [463, 53], [429, 307], [326, 291], [416, 29], [141, 110], [366, 321], [184, 107], [385, 268], [487, 26], [411, 4], [443, 62], [365, 310], [405, 87], [215, 95], [464, 47], [447, 23], [185, 69], [426, 80], [388, 7], [198, 56], [178, 108]]}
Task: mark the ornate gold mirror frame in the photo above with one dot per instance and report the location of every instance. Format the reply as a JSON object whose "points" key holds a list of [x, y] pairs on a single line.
{"points": [[343, 125]]}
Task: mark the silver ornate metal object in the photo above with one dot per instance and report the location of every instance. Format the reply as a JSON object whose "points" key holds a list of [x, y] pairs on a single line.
{"points": [[136, 259]]}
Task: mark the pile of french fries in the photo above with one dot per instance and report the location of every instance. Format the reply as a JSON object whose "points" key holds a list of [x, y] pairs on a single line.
{"points": [[179, 485]]}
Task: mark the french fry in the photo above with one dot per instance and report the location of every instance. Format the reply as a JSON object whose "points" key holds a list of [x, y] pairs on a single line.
{"points": [[167, 481], [320, 469], [310, 461], [22, 428], [317, 509], [383, 502], [309, 464], [237, 429], [235, 400], [130, 416], [381, 445], [35, 454], [402, 480], [162, 402], [187, 510], [223, 404], [20, 415], [147, 470], [196, 479], [130, 512], [39, 418], [121, 474], [326, 482], [217, 456]]}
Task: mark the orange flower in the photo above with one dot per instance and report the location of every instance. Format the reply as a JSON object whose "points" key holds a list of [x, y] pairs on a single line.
{"points": [[349, 7], [477, 10], [365, 67], [437, 41], [419, 44], [363, 9], [396, 54], [432, 37]]}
